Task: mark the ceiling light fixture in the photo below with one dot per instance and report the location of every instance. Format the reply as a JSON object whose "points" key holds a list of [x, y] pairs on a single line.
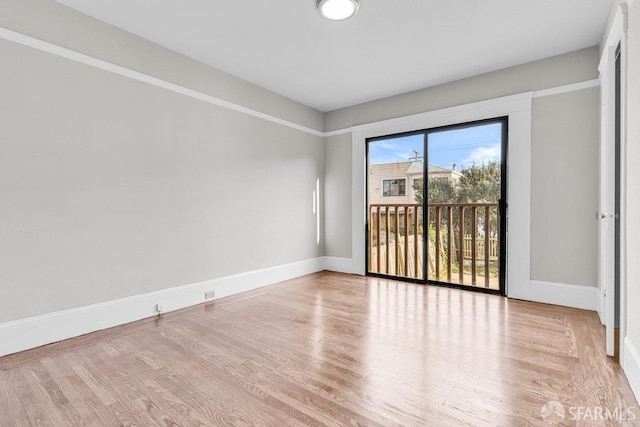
{"points": [[338, 10]]}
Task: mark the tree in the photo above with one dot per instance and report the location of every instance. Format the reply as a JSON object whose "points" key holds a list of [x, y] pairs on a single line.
{"points": [[480, 184], [477, 184], [440, 191]]}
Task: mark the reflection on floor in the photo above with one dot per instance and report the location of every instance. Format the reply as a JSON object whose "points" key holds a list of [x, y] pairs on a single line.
{"points": [[325, 349]]}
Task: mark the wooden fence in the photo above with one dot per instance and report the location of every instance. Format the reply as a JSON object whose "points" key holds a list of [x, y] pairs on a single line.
{"points": [[396, 242]]}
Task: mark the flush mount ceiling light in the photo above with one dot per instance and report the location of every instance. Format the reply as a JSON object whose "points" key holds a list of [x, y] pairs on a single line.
{"points": [[338, 10]]}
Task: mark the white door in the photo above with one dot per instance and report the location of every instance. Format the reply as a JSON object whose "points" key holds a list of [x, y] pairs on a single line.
{"points": [[606, 214]]}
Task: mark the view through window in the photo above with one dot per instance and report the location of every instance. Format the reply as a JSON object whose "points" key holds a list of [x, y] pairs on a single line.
{"points": [[450, 228]]}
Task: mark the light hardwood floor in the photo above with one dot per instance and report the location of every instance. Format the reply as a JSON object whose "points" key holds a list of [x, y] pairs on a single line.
{"points": [[325, 349]]}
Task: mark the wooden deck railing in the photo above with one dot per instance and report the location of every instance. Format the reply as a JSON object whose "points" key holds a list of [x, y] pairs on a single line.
{"points": [[463, 243]]}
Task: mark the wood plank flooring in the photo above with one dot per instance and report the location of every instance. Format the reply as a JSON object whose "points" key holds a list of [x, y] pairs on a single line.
{"points": [[325, 349]]}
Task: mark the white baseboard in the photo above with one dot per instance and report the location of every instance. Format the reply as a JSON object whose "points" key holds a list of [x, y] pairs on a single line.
{"points": [[341, 265], [31, 332], [631, 366], [576, 296]]}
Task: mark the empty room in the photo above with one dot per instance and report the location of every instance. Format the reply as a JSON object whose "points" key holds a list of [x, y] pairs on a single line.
{"points": [[319, 212]]}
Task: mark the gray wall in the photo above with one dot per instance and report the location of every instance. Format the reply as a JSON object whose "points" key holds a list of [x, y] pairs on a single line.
{"points": [[551, 72], [564, 142], [337, 206], [565, 153], [633, 180], [60, 25], [111, 187]]}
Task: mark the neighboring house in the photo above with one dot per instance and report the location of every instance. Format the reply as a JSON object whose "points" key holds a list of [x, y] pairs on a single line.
{"points": [[392, 183]]}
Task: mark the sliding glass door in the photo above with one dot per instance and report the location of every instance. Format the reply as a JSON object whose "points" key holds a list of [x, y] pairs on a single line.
{"points": [[435, 210]]}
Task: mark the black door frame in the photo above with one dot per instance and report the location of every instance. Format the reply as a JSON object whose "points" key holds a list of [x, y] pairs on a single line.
{"points": [[502, 203]]}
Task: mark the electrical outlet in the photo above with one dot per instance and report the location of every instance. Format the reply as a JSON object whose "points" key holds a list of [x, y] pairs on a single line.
{"points": [[159, 307], [209, 294]]}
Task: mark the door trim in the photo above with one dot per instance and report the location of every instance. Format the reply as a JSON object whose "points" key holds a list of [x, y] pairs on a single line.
{"points": [[504, 138], [518, 110], [606, 275]]}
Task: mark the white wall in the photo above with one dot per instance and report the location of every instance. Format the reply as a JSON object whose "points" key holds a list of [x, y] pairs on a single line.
{"points": [[112, 187]]}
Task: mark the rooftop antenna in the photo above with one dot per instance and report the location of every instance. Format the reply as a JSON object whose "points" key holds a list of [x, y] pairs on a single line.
{"points": [[417, 156]]}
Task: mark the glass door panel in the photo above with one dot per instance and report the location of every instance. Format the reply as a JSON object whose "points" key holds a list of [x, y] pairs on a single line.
{"points": [[464, 187], [395, 243]]}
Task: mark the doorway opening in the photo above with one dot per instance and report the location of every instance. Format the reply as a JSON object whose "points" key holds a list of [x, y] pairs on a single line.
{"points": [[436, 205]]}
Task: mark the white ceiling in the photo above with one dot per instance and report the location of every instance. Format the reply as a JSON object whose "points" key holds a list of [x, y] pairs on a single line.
{"points": [[389, 47]]}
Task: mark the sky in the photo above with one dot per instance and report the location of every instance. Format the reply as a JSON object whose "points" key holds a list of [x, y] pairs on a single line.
{"points": [[462, 147]]}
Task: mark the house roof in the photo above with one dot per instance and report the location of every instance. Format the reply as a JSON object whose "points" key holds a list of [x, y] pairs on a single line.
{"points": [[415, 167], [418, 167]]}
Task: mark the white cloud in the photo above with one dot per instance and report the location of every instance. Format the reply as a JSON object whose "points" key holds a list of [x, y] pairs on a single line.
{"points": [[486, 154]]}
